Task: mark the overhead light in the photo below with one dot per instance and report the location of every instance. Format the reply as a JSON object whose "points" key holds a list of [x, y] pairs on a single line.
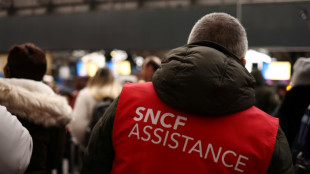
{"points": [[303, 14]]}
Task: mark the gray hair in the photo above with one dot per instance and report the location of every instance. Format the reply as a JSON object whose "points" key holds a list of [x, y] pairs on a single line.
{"points": [[222, 29]]}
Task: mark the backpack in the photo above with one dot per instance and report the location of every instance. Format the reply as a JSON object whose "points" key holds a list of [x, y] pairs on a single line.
{"points": [[98, 112]]}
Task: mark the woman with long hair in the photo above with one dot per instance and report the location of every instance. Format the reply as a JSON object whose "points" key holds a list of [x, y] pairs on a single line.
{"points": [[102, 85]]}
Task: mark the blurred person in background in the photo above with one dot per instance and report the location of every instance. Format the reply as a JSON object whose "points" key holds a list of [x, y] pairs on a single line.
{"points": [[266, 99], [102, 85], [196, 116], [302, 146], [295, 102], [79, 84], [16, 144], [73, 152], [150, 65], [281, 91], [43, 112], [67, 164]]}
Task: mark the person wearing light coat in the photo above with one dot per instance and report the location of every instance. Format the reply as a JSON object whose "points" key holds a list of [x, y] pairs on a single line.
{"points": [[16, 146]]}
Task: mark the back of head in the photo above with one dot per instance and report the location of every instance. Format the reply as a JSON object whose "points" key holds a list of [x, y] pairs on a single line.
{"points": [[223, 29], [102, 77], [26, 61], [301, 74], [104, 85], [152, 61], [150, 65]]}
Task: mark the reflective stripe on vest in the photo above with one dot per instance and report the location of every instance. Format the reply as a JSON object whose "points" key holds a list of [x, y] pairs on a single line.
{"points": [[151, 137]]}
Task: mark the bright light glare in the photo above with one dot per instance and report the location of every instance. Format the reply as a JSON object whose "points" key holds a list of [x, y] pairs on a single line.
{"points": [[279, 70], [118, 55], [253, 56]]}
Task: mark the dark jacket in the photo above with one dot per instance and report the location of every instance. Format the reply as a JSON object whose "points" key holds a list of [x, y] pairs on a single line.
{"points": [[266, 98], [44, 114], [291, 110], [202, 78]]}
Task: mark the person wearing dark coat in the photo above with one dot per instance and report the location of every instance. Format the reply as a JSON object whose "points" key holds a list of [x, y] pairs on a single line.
{"points": [[200, 98], [266, 98], [41, 111], [296, 100]]}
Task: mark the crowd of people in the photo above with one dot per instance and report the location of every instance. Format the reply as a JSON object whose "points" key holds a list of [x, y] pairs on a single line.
{"points": [[196, 110]]}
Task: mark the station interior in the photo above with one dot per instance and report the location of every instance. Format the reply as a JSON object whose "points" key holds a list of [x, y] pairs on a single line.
{"points": [[79, 36]]}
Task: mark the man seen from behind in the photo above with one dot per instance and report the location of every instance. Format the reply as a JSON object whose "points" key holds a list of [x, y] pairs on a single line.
{"points": [[196, 116]]}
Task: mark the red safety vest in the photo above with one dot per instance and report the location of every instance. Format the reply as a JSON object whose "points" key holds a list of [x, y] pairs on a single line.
{"points": [[151, 137]]}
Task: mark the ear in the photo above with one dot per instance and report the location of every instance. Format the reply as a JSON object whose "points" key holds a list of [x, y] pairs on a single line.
{"points": [[7, 71], [243, 61]]}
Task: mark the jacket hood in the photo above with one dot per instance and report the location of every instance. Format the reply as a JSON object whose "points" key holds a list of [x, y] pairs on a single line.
{"points": [[34, 101], [206, 79]]}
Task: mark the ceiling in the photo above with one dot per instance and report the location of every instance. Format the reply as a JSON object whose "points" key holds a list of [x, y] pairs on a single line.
{"points": [[10, 8], [41, 7]]}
